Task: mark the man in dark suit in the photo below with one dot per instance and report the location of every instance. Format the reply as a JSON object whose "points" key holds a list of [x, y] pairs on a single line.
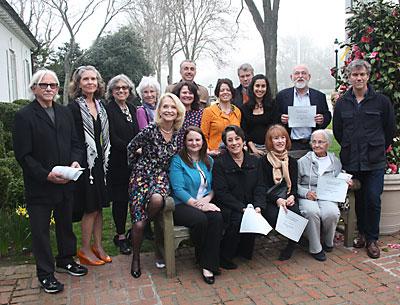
{"points": [[44, 136], [302, 95], [245, 74]]}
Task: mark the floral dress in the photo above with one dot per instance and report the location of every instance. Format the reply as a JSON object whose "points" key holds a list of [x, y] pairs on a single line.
{"points": [[149, 169], [192, 118]]}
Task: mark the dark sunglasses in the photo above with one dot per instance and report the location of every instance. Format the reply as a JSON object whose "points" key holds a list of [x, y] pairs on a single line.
{"points": [[117, 88], [45, 85]]}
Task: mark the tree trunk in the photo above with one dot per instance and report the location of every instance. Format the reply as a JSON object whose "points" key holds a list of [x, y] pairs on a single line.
{"points": [[170, 68], [68, 66], [158, 69]]}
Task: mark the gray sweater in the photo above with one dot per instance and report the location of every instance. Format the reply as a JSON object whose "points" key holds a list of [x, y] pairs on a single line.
{"points": [[308, 172]]}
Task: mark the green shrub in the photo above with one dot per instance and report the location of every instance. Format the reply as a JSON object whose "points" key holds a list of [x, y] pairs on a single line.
{"points": [[15, 194], [7, 113], [2, 146], [22, 102], [8, 145], [5, 179], [12, 165]]}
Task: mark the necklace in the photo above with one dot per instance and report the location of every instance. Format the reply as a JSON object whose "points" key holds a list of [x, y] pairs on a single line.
{"points": [[258, 106], [196, 159], [238, 158], [166, 131]]}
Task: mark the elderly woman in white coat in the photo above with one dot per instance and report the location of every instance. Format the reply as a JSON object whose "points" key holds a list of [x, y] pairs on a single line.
{"points": [[316, 163]]}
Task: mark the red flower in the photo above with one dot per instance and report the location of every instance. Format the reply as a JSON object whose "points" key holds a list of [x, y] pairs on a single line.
{"points": [[355, 48], [342, 88], [366, 39], [369, 29], [393, 167], [395, 13], [389, 149], [359, 55], [378, 75]]}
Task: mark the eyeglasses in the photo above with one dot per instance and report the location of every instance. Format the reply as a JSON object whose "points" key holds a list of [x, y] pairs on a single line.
{"points": [[44, 86], [117, 88], [318, 142]]}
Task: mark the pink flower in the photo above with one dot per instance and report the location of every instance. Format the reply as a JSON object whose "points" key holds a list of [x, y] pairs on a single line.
{"points": [[355, 48], [395, 13], [393, 167], [358, 54], [369, 29], [342, 88], [373, 54], [389, 149], [366, 39], [378, 75]]}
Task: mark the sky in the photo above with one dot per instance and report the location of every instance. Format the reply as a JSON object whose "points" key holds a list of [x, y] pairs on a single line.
{"points": [[320, 20]]}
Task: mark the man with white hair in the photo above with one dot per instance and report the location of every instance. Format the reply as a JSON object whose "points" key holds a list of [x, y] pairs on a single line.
{"points": [[44, 136], [188, 72], [302, 95]]}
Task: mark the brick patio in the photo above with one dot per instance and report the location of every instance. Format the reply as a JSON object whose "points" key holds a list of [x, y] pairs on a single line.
{"points": [[347, 277]]}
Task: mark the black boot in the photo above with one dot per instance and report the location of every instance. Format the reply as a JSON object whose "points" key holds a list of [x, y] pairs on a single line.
{"points": [[287, 252]]}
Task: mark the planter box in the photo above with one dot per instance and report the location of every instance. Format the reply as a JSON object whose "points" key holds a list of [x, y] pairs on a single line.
{"points": [[390, 213]]}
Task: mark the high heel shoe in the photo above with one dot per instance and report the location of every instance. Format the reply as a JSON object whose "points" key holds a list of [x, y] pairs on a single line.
{"points": [[106, 259], [83, 259], [135, 273]]}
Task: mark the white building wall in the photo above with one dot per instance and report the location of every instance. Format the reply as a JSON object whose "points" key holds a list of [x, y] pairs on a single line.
{"points": [[10, 43]]}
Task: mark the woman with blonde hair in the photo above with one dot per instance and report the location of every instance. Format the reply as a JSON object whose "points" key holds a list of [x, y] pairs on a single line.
{"points": [[149, 154]]}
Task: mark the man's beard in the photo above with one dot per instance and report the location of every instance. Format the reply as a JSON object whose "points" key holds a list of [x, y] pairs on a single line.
{"points": [[301, 84]]}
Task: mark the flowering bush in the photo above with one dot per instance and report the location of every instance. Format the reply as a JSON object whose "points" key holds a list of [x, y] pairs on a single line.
{"points": [[374, 35]]}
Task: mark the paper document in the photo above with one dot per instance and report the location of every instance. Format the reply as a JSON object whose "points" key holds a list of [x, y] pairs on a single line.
{"points": [[332, 189], [253, 222], [67, 172], [302, 116], [290, 224]]}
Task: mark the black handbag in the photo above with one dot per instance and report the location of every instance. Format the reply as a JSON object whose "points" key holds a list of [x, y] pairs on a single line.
{"points": [[278, 190]]}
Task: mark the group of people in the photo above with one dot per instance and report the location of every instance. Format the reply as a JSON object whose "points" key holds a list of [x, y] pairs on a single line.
{"points": [[213, 160]]}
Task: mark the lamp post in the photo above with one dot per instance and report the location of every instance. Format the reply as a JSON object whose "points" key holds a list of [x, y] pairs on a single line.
{"points": [[336, 45], [210, 87]]}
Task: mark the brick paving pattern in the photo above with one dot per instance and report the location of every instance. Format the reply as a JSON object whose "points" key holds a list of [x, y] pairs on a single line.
{"points": [[348, 276]]}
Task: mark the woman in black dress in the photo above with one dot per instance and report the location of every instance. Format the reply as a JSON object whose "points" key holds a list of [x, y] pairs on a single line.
{"points": [[91, 122], [123, 127], [258, 114]]}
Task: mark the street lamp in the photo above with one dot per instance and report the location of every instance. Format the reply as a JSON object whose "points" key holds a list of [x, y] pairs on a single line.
{"points": [[210, 87], [336, 45]]}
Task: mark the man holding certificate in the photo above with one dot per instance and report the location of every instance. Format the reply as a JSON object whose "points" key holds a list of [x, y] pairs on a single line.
{"points": [[364, 126], [302, 110]]}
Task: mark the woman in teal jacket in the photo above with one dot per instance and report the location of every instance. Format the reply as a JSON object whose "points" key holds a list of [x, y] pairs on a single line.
{"points": [[190, 179]]}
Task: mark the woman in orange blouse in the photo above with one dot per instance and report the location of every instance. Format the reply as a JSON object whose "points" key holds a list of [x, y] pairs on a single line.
{"points": [[223, 113]]}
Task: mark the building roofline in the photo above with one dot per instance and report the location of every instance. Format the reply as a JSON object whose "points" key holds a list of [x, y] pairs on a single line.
{"points": [[24, 30]]}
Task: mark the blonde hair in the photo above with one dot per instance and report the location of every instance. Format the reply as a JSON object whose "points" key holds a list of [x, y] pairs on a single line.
{"points": [[179, 107]]}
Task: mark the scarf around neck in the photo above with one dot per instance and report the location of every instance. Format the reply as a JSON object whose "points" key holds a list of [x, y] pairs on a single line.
{"points": [[88, 130], [280, 167], [150, 110]]}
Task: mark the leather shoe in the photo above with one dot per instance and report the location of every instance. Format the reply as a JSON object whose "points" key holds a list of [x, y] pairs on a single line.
{"points": [[83, 259], [106, 259], [320, 256], [123, 245], [327, 248], [136, 274], [373, 249], [359, 241], [209, 279]]}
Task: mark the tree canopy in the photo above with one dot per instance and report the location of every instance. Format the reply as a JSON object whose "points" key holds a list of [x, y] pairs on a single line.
{"points": [[120, 52]]}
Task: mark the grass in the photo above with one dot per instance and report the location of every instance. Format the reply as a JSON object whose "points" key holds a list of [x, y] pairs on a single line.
{"points": [[22, 256], [335, 147]]}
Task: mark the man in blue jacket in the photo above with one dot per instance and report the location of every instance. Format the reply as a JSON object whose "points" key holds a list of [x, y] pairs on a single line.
{"points": [[302, 95], [43, 137], [364, 126]]}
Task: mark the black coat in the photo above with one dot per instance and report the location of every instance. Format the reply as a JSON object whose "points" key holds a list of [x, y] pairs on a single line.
{"points": [[364, 130], [39, 145], [238, 98], [235, 186], [121, 133], [268, 179], [285, 98]]}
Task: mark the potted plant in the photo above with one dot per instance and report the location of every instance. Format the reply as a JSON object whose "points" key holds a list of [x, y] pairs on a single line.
{"points": [[374, 35]]}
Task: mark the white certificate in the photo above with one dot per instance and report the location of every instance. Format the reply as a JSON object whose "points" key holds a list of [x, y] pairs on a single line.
{"points": [[69, 173], [331, 189], [290, 224], [302, 116], [253, 222]]}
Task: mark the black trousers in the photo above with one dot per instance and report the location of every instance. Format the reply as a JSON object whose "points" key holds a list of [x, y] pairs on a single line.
{"points": [[120, 212], [235, 243], [39, 217], [205, 231]]}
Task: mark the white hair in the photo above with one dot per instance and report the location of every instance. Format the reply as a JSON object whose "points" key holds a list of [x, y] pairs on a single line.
{"points": [[324, 133], [148, 81], [37, 78]]}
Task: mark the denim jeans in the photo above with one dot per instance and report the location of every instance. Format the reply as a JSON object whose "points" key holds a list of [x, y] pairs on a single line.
{"points": [[368, 202]]}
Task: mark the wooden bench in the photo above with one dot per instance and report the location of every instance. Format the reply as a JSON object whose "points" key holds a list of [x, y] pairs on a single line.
{"points": [[168, 237]]}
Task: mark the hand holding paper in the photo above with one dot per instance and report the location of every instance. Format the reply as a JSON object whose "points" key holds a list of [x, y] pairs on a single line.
{"points": [[253, 222], [68, 173], [290, 224]]}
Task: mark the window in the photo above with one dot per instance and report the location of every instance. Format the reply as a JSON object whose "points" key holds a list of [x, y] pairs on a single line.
{"points": [[12, 75]]}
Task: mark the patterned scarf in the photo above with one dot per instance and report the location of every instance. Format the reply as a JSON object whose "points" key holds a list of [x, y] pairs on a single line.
{"points": [[280, 167], [88, 129], [150, 110]]}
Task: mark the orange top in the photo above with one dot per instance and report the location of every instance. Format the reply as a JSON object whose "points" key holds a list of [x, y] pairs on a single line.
{"points": [[214, 121]]}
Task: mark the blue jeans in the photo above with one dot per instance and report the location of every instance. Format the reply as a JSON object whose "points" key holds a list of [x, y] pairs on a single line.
{"points": [[368, 202]]}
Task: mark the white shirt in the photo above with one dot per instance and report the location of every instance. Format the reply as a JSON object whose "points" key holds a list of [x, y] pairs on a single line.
{"points": [[301, 100]]}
